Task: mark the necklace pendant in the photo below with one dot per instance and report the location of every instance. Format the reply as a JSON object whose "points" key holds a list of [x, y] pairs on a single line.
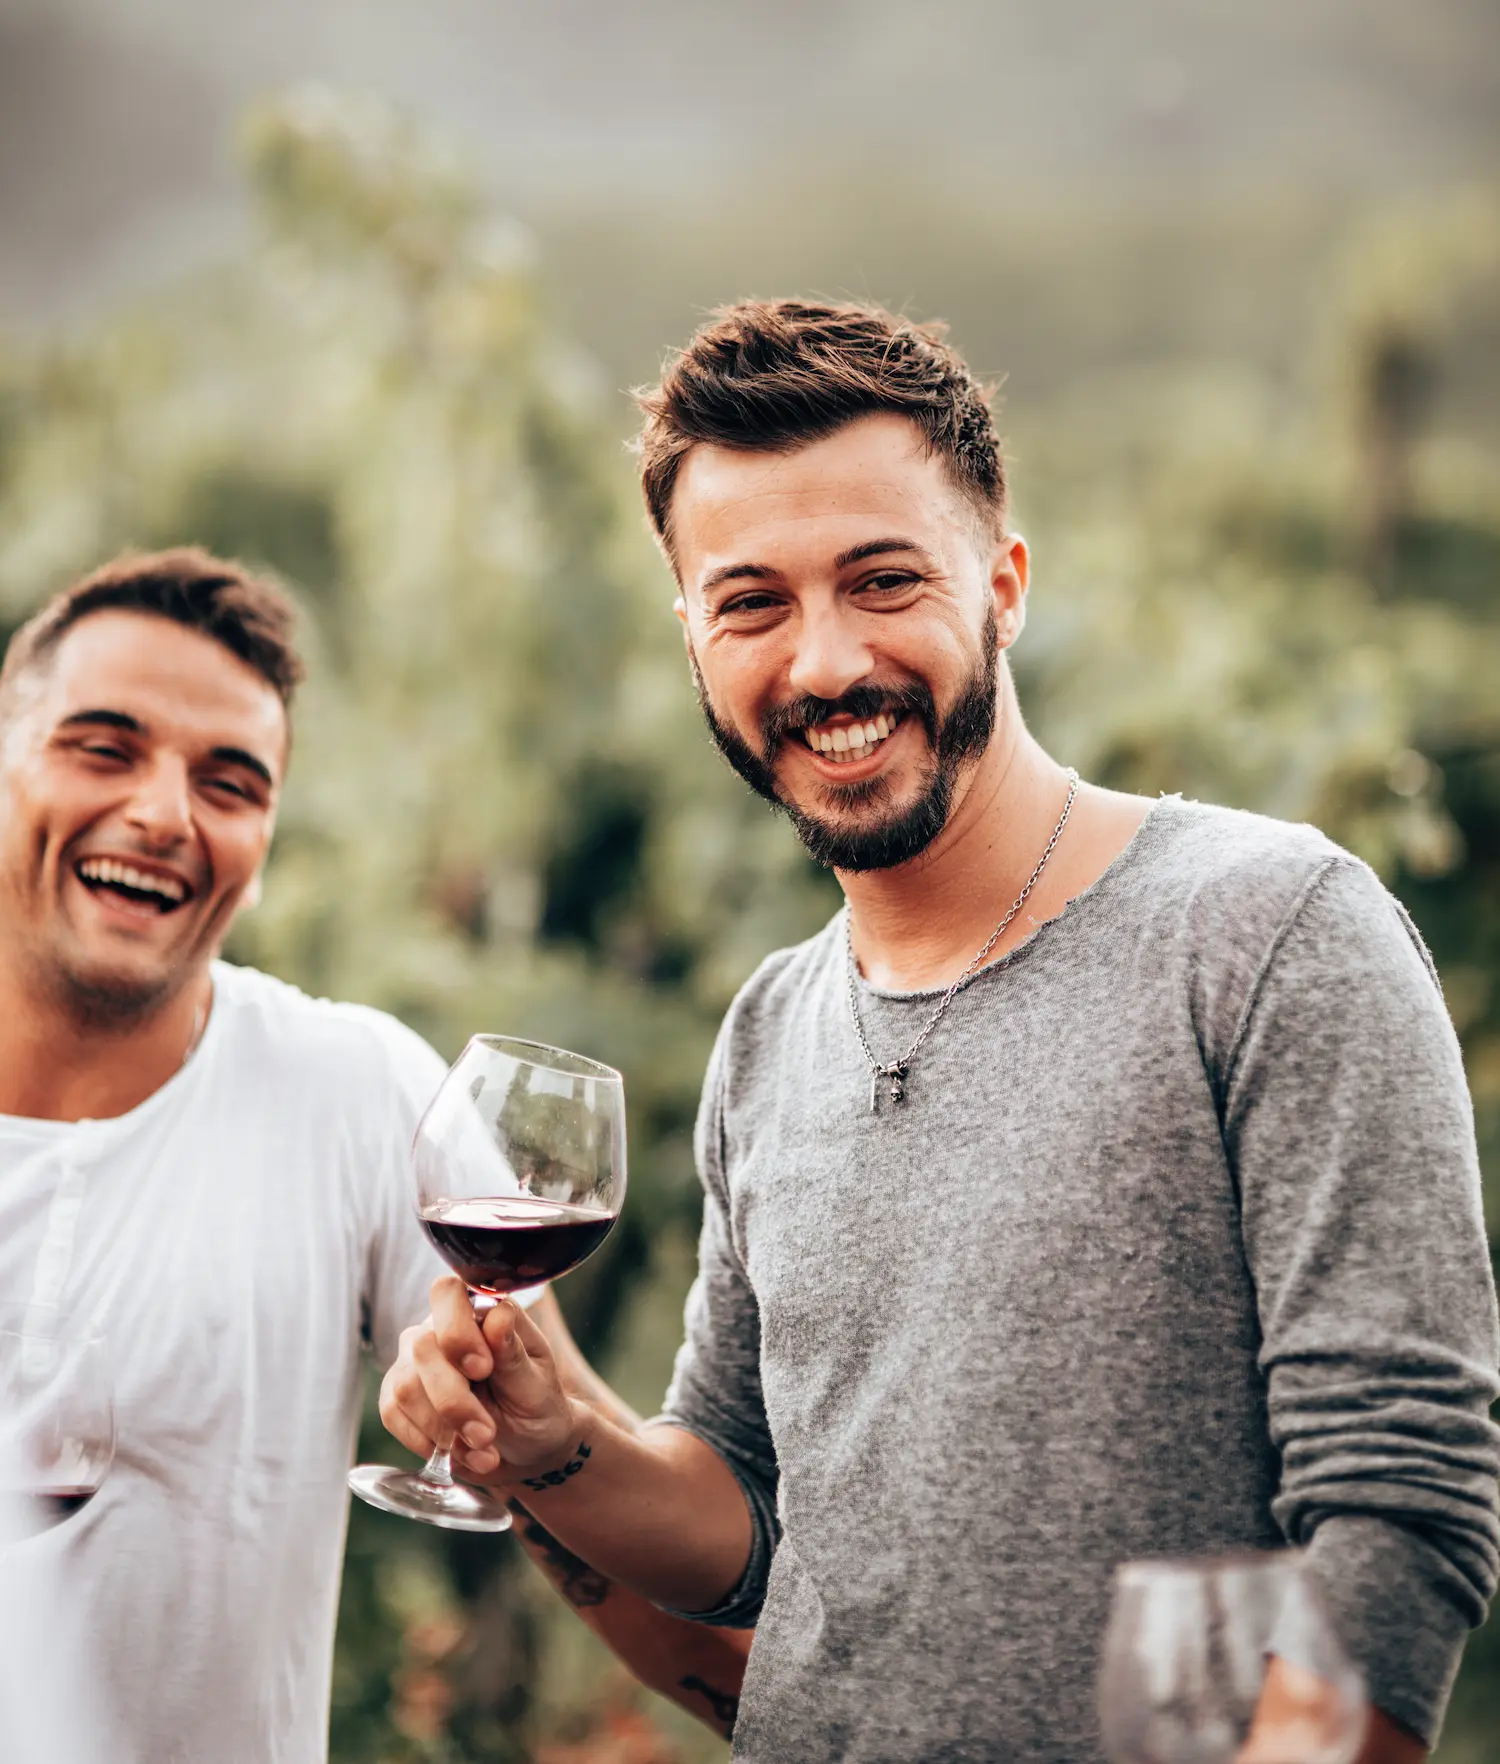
{"points": [[894, 1076]]}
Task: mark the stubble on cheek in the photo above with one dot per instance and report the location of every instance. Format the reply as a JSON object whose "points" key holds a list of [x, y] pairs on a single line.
{"points": [[111, 988]]}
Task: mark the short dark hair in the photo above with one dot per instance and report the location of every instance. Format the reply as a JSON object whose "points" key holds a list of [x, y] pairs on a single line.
{"points": [[773, 375], [249, 616]]}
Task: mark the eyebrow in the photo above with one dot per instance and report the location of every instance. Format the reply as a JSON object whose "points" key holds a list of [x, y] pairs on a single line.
{"points": [[740, 572], [875, 548], [239, 756], [112, 719], [754, 572]]}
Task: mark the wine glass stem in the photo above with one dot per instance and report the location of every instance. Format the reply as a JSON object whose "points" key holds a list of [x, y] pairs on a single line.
{"points": [[439, 1468]]}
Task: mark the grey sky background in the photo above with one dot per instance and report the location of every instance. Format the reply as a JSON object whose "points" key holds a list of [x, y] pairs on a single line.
{"points": [[1097, 179]]}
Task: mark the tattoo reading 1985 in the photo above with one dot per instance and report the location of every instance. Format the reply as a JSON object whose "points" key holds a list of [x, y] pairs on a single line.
{"points": [[556, 1478], [724, 1706]]}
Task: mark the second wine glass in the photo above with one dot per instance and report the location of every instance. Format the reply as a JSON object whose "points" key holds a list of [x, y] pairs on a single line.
{"points": [[57, 1426], [520, 1174], [1185, 1666]]}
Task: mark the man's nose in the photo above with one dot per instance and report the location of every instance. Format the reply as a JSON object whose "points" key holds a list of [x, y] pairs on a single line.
{"points": [[161, 807], [831, 654]]}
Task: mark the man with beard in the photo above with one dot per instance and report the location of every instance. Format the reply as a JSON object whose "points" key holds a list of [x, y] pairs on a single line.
{"points": [[1100, 1184], [211, 1169]]}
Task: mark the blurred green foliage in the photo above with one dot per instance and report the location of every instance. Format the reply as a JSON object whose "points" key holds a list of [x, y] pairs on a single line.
{"points": [[503, 812]]}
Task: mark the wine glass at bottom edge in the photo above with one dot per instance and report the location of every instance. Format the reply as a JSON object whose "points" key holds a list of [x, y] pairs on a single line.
{"points": [[519, 1166], [1185, 1663], [57, 1424]]}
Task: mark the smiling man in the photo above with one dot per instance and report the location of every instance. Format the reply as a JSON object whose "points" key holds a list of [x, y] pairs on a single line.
{"points": [[212, 1169], [195, 1159], [1099, 1184]]}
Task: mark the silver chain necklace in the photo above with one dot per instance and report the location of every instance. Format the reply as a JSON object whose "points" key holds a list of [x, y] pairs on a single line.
{"points": [[895, 1070]]}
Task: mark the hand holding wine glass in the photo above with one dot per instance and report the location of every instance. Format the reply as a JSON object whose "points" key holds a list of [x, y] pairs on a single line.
{"points": [[520, 1174], [493, 1373]]}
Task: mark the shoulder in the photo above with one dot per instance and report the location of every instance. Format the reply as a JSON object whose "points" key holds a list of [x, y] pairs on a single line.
{"points": [[1273, 872], [1239, 896], [1216, 849], [353, 1047], [1228, 879]]}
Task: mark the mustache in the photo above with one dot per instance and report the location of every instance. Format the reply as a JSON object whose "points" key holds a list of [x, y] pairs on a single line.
{"points": [[862, 703]]}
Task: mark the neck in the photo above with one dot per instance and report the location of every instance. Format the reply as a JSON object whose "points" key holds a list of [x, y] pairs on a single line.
{"points": [[921, 923], [56, 1067]]}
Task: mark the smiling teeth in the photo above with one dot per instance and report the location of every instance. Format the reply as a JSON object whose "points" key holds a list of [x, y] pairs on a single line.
{"points": [[853, 742], [127, 876]]}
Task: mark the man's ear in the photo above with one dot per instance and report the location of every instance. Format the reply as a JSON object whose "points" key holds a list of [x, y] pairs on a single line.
{"points": [[1010, 577]]}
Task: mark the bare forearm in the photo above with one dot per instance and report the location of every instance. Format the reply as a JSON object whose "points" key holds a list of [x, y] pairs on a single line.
{"points": [[697, 1667], [656, 1510]]}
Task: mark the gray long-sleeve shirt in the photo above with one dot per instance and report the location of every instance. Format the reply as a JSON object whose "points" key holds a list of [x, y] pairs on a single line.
{"points": [[1174, 1246]]}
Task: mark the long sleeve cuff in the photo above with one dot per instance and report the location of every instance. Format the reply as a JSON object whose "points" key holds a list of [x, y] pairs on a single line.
{"points": [[1399, 1610]]}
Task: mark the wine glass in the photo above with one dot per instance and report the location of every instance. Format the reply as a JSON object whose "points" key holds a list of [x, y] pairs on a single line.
{"points": [[520, 1174], [57, 1422], [1185, 1660]]}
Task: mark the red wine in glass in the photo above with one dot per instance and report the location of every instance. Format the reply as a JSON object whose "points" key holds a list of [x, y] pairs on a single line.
{"points": [[57, 1504], [57, 1428], [499, 1246]]}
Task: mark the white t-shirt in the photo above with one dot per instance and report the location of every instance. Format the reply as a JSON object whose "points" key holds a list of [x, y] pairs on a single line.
{"points": [[238, 1236], [50, 1707]]}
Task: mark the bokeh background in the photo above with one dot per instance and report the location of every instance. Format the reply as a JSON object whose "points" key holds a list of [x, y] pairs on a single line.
{"points": [[354, 289]]}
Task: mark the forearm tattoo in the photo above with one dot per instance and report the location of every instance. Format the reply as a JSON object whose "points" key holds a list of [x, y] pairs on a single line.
{"points": [[583, 1587], [724, 1706], [556, 1478]]}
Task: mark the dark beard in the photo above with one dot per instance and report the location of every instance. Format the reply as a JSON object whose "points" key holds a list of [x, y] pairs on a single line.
{"points": [[898, 836]]}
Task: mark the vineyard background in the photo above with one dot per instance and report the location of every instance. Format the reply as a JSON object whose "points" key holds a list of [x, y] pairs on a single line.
{"points": [[1242, 279]]}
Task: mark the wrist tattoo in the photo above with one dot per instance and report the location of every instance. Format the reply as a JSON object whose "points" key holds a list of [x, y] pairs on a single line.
{"points": [[724, 1706], [556, 1478], [583, 1587]]}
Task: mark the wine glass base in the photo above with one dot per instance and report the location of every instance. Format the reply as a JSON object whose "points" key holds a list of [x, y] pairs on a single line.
{"points": [[454, 1506]]}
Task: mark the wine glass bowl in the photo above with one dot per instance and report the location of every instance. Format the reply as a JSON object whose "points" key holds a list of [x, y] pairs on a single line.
{"points": [[1185, 1665], [57, 1427], [519, 1164]]}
